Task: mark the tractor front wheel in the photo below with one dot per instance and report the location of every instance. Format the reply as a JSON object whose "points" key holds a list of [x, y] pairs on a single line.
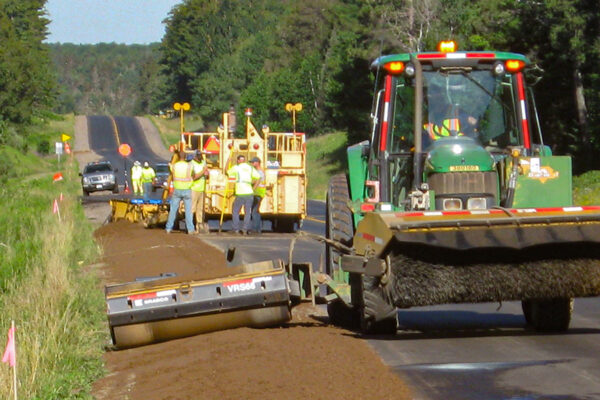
{"points": [[549, 315]]}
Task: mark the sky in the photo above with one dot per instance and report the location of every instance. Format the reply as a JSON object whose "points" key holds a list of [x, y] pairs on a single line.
{"points": [[97, 21]]}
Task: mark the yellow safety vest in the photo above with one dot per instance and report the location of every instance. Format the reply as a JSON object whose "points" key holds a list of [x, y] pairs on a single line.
{"points": [[448, 126], [136, 172], [199, 184], [182, 175], [261, 188], [243, 174], [147, 174]]}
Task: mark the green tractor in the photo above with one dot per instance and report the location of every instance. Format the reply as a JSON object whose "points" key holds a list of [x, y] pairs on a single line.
{"points": [[457, 199]]}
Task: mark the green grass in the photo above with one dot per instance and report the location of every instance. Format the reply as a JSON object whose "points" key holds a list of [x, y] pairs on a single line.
{"points": [[170, 128], [58, 307], [325, 156], [586, 188]]}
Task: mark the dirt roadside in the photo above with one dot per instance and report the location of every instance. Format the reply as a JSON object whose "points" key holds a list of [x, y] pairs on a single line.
{"points": [[305, 358]]}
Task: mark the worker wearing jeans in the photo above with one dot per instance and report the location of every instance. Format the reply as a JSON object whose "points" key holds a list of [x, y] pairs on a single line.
{"points": [[182, 183], [244, 175], [259, 193]]}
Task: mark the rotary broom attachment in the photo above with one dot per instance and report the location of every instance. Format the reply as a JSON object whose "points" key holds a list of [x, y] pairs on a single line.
{"points": [[426, 276], [542, 257]]}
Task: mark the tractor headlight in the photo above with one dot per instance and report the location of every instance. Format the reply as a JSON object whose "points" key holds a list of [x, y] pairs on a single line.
{"points": [[476, 203], [452, 204]]}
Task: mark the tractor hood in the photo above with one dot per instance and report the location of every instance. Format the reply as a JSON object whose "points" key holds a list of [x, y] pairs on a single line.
{"points": [[457, 154]]}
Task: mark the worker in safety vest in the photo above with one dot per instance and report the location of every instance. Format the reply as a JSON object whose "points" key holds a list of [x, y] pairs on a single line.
{"points": [[148, 175], [260, 190], [198, 189], [244, 176], [136, 178], [448, 127], [182, 172]]}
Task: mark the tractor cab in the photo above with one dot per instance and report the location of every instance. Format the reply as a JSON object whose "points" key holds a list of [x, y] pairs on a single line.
{"points": [[445, 127]]}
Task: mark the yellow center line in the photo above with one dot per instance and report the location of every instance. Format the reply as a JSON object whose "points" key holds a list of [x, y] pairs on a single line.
{"points": [[314, 220], [115, 130]]}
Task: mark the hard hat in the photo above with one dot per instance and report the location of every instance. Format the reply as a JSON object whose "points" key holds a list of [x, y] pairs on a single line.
{"points": [[137, 163], [255, 159], [146, 164]]}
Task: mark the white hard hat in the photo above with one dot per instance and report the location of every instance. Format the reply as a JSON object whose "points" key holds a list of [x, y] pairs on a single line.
{"points": [[146, 164], [137, 163]]}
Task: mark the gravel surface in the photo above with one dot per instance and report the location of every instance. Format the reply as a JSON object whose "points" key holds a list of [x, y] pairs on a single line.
{"points": [[305, 358]]}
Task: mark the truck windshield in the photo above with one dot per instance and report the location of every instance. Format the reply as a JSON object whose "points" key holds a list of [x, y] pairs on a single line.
{"points": [[472, 103]]}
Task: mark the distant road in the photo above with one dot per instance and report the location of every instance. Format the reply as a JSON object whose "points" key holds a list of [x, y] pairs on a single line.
{"points": [[106, 133]]}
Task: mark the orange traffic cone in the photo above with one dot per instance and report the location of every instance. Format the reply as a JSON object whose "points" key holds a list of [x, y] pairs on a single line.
{"points": [[126, 188]]}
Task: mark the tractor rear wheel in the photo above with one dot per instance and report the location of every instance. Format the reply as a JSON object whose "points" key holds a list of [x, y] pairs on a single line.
{"points": [[550, 315], [339, 226]]}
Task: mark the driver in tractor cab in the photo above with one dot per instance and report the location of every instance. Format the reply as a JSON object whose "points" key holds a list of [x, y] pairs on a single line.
{"points": [[454, 123]]}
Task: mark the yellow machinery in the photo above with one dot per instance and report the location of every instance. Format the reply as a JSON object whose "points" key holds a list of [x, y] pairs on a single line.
{"points": [[283, 158]]}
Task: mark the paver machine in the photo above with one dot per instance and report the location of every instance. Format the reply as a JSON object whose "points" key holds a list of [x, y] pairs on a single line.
{"points": [[456, 198], [283, 158]]}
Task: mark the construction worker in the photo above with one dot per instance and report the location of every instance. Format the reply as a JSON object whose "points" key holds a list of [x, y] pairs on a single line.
{"points": [[244, 175], [181, 171], [200, 172], [259, 193], [136, 178], [148, 175]]}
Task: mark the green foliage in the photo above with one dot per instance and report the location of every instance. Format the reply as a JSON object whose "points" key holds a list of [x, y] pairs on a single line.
{"points": [[106, 78], [586, 188], [325, 156], [26, 80]]}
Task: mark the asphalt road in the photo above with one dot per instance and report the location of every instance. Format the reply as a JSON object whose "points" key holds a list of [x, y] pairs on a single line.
{"points": [[468, 351], [107, 133]]}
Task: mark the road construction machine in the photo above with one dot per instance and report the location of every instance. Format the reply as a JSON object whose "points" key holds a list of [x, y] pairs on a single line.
{"points": [[455, 198], [283, 157]]}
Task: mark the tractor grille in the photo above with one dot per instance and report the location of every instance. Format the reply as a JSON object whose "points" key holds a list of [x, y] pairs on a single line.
{"points": [[463, 182]]}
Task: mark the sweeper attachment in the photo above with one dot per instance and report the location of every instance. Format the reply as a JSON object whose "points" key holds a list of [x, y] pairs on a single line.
{"points": [[457, 199]]}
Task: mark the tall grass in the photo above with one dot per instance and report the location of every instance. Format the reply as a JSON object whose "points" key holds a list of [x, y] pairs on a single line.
{"points": [[170, 128], [57, 307], [325, 156]]}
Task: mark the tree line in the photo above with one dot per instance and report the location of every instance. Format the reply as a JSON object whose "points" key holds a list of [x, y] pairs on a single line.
{"points": [[265, 53]]}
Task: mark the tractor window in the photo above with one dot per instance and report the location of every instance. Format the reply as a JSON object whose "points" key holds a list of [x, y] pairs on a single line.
{"points": [[402, 144], [474, 103], [403, 125]]}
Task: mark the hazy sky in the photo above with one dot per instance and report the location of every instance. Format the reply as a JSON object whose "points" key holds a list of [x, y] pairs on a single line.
{"points": [[119, 21]]}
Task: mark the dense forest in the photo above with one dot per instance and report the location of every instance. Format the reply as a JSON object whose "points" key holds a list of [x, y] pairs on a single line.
{"points": [[106, 78], [264, 53]]}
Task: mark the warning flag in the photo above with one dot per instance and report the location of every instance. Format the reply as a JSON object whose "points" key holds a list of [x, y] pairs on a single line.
{"points": [[57, 177], [10, 353]]}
